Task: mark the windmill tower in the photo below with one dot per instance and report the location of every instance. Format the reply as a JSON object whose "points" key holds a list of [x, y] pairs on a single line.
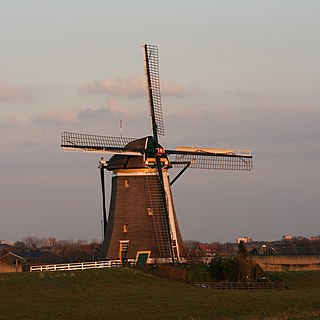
{"points": [[142, 222]]}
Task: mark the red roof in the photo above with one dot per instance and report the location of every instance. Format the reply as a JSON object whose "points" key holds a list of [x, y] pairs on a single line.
{"points": [[207, 248]]}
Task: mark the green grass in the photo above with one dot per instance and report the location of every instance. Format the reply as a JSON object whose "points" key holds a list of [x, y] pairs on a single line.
{"points": [[300, 280], [128, 294]]}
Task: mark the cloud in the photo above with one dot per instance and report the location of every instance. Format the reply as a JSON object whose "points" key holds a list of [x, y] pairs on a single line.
{"points": [[311, 111], [170, 89], [79, 114], [130, 86], [9, 92], [13, 120], [294, 128], [57, 116]]}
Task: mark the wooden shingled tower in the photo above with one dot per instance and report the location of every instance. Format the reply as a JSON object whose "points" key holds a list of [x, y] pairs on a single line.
{"points": [[142, 222]]}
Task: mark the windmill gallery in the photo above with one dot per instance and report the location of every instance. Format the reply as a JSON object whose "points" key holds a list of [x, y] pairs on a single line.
{"points": [[142, 222]]}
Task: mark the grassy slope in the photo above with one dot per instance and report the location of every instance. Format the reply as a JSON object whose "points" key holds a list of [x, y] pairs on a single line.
{"points": [[127, 294]]}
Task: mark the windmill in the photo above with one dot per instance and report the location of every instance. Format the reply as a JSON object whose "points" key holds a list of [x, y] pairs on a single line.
{"points": [[142, 222]]}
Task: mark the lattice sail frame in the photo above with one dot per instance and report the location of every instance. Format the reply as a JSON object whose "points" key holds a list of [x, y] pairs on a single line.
{"points": [[216, 162], [155, 97], [71, 141], [196, 157], [211, 158]]}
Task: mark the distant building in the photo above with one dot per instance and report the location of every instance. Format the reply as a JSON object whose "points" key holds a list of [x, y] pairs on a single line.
{"points": [[244, 239], [205, 252], [286, 237], [21, 261], [11, 262], [263, 249], [6, 242], [314, 238], [5, 247]]}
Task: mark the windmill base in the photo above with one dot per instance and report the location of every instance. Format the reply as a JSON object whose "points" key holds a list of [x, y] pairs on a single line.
{"points": [[137, 225]]}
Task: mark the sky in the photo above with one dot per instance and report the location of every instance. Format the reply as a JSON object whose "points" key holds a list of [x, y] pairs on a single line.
{"points": [[234, 74]]}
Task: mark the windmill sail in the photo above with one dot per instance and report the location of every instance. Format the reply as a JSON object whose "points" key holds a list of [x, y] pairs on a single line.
{"points": [[212, 158], [154, 97], [153, 87], [71, 141]]}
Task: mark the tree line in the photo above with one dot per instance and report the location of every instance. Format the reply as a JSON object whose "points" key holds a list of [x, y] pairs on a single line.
{"points": [[53, 250]]}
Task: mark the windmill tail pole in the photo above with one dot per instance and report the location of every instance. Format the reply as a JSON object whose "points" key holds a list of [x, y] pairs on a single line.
{"points": [[163, 193], [104, 211]]}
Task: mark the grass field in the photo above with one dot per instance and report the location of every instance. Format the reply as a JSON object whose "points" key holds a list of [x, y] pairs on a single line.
{"points": [[128, 294]]}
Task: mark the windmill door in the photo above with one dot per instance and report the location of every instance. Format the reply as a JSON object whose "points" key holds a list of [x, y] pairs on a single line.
{"points": [[142, 257]]}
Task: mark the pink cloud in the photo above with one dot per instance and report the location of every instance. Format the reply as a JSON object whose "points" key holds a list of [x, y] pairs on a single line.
{"points": [[311, 110], [60, 116], [9, 92], [80, 114], [130, 86], [171, 89], [12, 120]]}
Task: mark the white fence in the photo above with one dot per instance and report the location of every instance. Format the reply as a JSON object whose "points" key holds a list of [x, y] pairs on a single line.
{"points": [[77, 266]]}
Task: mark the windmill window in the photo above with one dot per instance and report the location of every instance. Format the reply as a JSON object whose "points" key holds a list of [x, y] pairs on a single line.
{"points": [[125, 228], [126, 183], [124, 244], [150, 212]]}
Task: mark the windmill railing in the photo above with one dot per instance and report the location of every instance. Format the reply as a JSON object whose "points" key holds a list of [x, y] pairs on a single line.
{"points": [[95, 264], [225, 285], [77, 266]]}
